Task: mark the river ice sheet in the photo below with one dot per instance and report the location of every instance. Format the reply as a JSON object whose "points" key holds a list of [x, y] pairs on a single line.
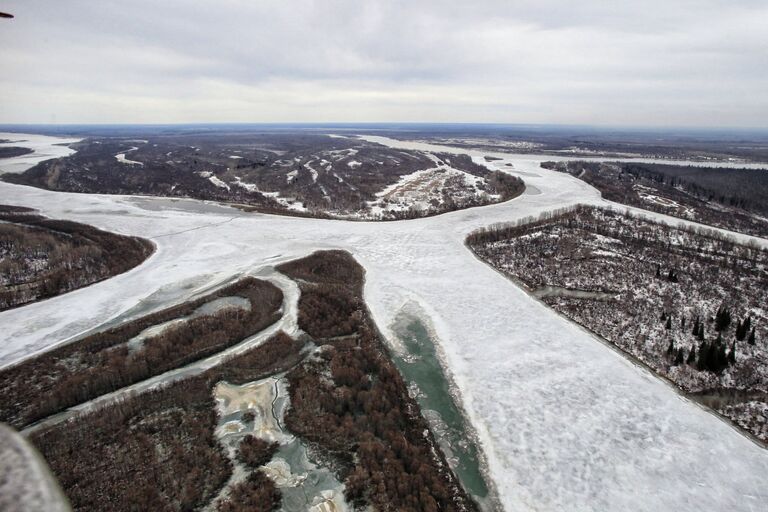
{"points": [[566, 422], [44, 148]]}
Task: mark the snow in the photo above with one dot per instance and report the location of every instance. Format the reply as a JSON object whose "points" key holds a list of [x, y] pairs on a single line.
{"points": [[566, 423], [209, 308], [45, 149], [287, 323], [257, 397], [218, 182], [289, 203], [514, 158], [353, 164], [250, 187], [121, 158], [311, 170], [215, 179], [419, 189]]}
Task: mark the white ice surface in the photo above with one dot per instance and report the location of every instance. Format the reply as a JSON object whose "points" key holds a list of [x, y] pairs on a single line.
{"points": [[566, 422], [121, 158], [44, 147]]}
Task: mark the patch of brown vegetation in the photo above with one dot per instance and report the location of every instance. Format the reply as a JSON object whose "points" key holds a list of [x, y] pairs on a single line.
{"points": [[353, 404], [101, 363], [157, 450]]}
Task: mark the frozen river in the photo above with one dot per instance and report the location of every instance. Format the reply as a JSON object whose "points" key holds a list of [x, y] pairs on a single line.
{"points": [[566, 423]]}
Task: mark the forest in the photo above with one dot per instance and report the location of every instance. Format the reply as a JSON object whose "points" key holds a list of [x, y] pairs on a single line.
{"points": [[298, 174], [734, 199], [106, 361], [688, 303], [362, 417], [578, 142], [158, 450], [42, 258]]}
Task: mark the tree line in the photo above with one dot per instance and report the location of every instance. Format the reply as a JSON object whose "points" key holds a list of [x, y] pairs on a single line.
{"points": [[102, 362], [362, 416]]}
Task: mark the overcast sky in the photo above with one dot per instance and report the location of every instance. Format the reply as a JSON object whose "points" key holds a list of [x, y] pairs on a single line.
{"points": [[620, 62]]}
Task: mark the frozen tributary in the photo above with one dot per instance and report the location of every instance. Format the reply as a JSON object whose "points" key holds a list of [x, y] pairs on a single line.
{"points": [[566, 423]]}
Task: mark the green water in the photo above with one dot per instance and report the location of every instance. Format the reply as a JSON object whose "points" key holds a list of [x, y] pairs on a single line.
{"points": [[421, 368]]}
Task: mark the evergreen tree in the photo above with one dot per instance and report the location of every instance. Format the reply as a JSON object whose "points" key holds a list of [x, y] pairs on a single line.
{"points": [[700, 334], [663, 315], [695, 330], [721, 362], [739, 331], [703, 356], [680, 357], [742, 328], [751, 339], [669, 323], [722, 319], [682, 323], [691, 356], [671, 348], [710, 363], [732, 354], [713, 357]]}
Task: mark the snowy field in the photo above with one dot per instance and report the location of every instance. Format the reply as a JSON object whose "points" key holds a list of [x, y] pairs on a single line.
{"points": [[565, 421]]}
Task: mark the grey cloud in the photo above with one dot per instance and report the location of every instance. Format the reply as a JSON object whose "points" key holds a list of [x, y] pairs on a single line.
{"points": [[653, 62]]}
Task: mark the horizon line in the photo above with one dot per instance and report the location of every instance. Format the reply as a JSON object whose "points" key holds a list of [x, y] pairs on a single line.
{"points": [[639, 127]]}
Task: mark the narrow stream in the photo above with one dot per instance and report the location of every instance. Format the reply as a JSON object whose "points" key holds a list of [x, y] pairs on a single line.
{"points": [[420, 365]]}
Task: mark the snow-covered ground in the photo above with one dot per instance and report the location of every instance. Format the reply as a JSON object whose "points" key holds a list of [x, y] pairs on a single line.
{"points": [[120, 157], [566, 422], [215, 179], [289, 203], [427, 188]]}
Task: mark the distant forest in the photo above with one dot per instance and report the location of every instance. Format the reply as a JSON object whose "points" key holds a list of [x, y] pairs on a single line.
{"points": [[740, 188], [734, 199]]}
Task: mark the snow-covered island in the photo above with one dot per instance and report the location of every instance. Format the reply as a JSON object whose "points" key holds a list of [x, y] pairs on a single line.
{"points": [[690, 304]]}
